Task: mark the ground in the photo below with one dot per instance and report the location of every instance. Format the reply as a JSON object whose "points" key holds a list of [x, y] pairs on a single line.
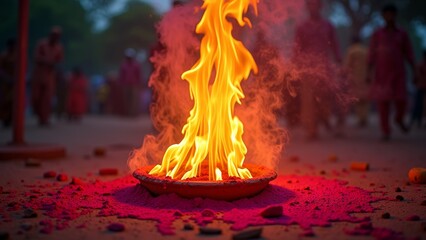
{"points": [[325, 160]]}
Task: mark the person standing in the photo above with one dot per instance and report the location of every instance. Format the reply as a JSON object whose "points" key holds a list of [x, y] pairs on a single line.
{"points": [[130, 81], [8, 61], [77, 95], [316, 48], [355, 64], [48, 54], [389, 47]]}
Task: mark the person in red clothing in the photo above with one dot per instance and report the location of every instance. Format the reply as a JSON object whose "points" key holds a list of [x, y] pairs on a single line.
{"points": [[389, 48], [77, 95], [130, 81], [48, 54]]}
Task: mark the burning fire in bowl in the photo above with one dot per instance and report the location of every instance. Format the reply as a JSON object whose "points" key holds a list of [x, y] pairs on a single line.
{"points": [[228, 189], [209, 160]]}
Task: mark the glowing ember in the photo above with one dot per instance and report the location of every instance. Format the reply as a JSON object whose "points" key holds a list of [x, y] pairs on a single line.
{"points": [[213, 134]]}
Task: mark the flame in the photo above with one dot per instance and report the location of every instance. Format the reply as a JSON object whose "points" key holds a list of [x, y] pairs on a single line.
{"points": [[212, 132]]}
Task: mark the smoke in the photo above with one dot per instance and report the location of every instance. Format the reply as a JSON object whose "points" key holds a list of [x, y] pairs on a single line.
{"points": [[271, 43]]}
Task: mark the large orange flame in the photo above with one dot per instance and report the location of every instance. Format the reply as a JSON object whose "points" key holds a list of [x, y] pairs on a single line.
{"points": [[212, 132]]}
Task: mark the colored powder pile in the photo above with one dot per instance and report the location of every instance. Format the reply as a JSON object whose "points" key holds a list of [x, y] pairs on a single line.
{"points": [[307, 201]]}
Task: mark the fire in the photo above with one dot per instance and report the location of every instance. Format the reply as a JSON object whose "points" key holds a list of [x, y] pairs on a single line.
{"points": [[213, 133]]}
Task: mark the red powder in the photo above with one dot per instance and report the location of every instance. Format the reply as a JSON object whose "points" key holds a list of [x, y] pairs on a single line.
{"points": [[307, 201]]}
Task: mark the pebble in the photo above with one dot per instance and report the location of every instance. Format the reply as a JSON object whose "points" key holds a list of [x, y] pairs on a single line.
{"points": [[210, 231], [4, 235], [29, 213], [207, 213], [399, 197], [248, 234], [76, 181], [386, 215], [49, 174], [108, 171], [417, 175], [188, 227], [413, 218], [272, 212], [360, 166], [398, 189], [62, 177], [99, 151], [32, 163], [116, 227]]}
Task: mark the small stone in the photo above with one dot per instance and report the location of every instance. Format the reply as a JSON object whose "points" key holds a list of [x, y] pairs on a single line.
{"points": [[317, 208], [272, 212], [322, 172], [62, 177], [76, 181], [99, 151], [207, 213], [398, 189], [423, 203], [32, 163], [210, 231], [413, 218], [386, 215], [116, 227], [4, 235], [177, 214], [29, 213], [417, 175], [188, 227], [49, 174], [307, 188], [26, 226], [108, 171], [248, 234], [399, 198]]}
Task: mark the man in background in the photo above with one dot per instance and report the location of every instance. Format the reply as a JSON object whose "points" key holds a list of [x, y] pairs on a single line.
{"points": [[48, 54], [389, 48]]}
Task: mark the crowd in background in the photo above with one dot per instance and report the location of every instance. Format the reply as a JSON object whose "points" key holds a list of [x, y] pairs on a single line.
{"points": [[371, 74]]}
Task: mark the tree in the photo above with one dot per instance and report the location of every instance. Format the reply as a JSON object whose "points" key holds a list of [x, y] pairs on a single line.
{"points": [[135, 28], [69, 15]]}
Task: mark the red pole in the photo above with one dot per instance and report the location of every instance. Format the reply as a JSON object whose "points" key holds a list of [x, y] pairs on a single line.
{"points": [[19, 107]]}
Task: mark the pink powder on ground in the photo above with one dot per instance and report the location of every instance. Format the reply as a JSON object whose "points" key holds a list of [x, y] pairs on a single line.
{"points": [[306, 200]]}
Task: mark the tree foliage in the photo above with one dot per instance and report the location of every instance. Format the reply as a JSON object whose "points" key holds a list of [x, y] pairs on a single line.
{"points": [[134, 28]]}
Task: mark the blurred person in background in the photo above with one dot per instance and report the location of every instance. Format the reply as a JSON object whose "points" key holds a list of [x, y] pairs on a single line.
{"points": [[316, 48], [48, 54], [355, 65], [130, 81], [77, 95], [8, 61], [419, 97], [389, 48], [102, 95]]}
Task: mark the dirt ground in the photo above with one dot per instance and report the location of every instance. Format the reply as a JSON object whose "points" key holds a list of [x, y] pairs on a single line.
{"points": [[327, 157]]}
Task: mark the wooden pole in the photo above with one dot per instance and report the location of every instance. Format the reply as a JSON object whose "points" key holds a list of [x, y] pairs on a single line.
{"points": [[19, 101]]}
